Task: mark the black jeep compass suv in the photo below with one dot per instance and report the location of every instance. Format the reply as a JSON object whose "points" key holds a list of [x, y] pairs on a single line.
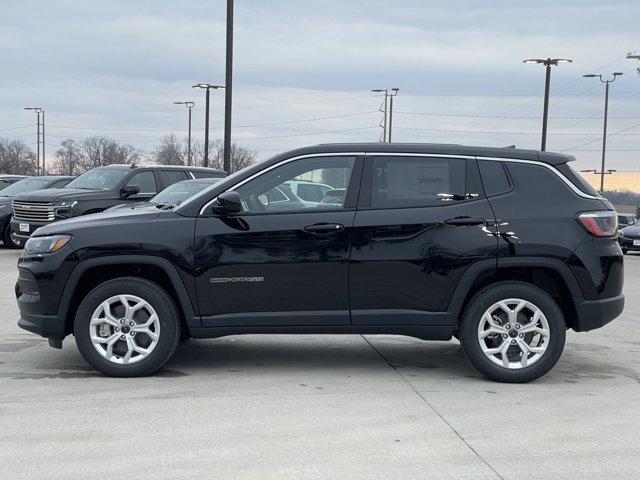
{"points": [[504, 249]]}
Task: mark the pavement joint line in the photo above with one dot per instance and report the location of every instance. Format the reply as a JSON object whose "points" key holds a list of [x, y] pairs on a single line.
{"points": [[430, 405]]}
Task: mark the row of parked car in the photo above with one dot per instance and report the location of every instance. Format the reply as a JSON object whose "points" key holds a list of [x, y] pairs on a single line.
{"points": [[27, 203]]}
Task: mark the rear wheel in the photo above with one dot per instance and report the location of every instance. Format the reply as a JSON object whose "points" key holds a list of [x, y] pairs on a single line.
{"points": [[127, 327], [8, 239], [513, 332]]}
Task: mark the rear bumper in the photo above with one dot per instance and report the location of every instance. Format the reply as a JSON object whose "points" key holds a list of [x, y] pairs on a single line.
{"points": [[592, 314]]}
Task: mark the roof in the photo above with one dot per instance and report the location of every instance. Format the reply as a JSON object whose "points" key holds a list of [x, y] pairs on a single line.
{"points": [[9, 175], [56, 177], [434, 148]]}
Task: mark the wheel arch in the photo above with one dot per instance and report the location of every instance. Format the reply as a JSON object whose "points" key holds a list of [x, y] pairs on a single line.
{"points": [[549, 274], [90, 273]]}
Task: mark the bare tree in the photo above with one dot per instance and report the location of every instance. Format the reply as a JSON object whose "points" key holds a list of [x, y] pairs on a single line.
{"points": [[240, 156], [171, 151], [98, 151], [69, 158], [17, 158]]}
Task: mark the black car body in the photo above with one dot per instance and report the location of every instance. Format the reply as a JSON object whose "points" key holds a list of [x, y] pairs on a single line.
{"points": [[95, 191], [26, 184], [425, 236]]}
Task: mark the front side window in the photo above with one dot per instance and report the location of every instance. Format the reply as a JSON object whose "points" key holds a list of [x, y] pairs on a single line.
{"points": [[145, 180], [403, 182], [274, 190]]}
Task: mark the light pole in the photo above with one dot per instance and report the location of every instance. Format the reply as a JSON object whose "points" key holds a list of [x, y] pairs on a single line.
{"points": [[39, 111], [207, 87], [548, 63], [387, 118], [606, 113], [189, 106], [228, 87]]}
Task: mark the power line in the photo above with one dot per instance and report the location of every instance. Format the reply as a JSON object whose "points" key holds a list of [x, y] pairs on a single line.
{"points": [[537, 117], [497, 132], [600, 138]]}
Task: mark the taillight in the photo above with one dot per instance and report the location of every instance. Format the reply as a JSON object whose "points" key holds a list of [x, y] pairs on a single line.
{"points": [[602, 223]]}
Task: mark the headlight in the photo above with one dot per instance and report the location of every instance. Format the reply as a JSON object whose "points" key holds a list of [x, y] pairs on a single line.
{"points": [[2, 205], [48, 244]]}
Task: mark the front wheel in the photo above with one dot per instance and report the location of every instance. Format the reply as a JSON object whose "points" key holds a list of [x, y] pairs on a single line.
{"points": [[624, 251], [513, 332], [127, 327], [8, 238]]}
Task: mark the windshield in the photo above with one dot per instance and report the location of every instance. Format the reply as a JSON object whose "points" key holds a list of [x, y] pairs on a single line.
{"points": [[179, 192], [24, 185], [99, 179]]}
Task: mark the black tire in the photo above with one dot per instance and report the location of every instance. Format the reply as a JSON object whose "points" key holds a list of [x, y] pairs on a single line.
{"points": [[159, 300], [8, 240], [624, 251], [483, 300]]}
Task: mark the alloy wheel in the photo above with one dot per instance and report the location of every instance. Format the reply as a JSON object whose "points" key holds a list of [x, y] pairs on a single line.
{"points": [[124, 329], [513, 333]]}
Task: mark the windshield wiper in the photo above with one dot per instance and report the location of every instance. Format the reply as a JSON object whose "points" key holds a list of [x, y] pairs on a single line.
{"points": [[167, 205]]}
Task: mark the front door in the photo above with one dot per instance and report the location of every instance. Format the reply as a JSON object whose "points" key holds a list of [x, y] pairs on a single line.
{"points": [[282, 261], [421, 222]]}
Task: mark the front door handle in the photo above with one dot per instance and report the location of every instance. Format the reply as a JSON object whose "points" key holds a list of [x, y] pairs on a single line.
{"points": [[324, 228], [465, 221]]}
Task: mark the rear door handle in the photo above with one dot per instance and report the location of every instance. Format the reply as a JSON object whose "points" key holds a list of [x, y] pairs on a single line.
{"points": [[324, 228], [465, 221]]}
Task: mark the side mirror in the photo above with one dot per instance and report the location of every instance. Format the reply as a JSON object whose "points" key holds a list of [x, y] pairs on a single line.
{"points": [[226, 203], [129, 190]]}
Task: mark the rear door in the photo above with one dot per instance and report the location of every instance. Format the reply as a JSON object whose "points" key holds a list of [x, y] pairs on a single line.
{"points": [[422, 221]]}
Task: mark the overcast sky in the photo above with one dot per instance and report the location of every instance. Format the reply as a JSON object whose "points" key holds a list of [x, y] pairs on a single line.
{"points": [[114, 67]]}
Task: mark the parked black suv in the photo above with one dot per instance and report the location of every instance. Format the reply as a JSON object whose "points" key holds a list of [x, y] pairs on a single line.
{"points": [[502, 248], [97, 190], [27, 184]]}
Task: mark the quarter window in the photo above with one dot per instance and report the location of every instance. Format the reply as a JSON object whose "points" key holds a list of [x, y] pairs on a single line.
{"points": [[274, 191], [417, 181], [494, 177]]}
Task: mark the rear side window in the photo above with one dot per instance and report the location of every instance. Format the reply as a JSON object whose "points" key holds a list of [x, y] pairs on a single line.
{"points": [[416, 181], [169, 177], [494, 177]]}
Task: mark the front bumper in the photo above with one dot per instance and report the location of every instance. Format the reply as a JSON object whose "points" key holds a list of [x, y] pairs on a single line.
{"points": [[21, 235], [592, 314]]}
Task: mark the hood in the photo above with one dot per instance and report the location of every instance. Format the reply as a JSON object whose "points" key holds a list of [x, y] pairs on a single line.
{"points": [[633, 230], [60, 194], [121, 216]]}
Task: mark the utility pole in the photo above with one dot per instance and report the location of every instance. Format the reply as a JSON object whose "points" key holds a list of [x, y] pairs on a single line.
{"points": [[189, 105], [606, 113], [39, 111], [207, 87], [548, 63], [228, 86], [387, 110], [391, 95]]}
